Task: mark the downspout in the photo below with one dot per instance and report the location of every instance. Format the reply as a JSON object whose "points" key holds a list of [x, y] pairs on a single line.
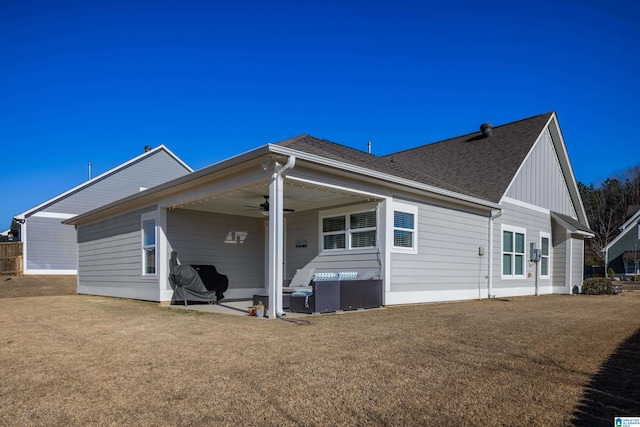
{"points": [[276, 238], [490, 257]]}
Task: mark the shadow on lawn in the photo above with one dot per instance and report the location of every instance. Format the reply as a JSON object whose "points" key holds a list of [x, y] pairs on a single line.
{"points": [[615, 389]]}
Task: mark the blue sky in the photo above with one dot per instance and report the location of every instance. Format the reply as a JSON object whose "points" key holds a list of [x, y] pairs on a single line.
{"points": [[94, 82]]}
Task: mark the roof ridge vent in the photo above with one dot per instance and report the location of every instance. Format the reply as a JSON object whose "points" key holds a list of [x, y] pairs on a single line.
{"points": [[486, 129]]}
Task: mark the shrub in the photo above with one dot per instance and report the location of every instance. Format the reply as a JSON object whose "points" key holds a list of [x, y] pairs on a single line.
{"points": [[636, 278], [611, 273], [597, 286]]}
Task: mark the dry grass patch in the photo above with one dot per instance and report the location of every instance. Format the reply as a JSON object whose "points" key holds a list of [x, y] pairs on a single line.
{"points": [[82, 360]]}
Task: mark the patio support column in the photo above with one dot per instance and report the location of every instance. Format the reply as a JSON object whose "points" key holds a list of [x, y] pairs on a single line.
{"points": [[276, 237]]}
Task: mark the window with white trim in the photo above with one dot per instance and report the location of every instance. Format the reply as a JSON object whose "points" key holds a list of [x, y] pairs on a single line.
{"points": [[357, 230], [149, 244], [404, 226], [513, 252], [545, 255]]}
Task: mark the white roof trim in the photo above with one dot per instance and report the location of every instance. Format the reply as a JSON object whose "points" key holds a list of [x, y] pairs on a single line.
{"points": [[380, 175], [21, 216], [628, 225], [565, 166], [154, 195]]}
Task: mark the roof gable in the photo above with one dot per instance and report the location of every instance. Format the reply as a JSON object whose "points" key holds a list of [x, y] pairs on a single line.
{"points": [[101, 177], [483, 166], [628, 225]]}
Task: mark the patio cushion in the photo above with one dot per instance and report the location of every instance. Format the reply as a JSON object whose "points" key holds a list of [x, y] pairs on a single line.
{"points": [[348, 275], [302, 277], [324, 277]]}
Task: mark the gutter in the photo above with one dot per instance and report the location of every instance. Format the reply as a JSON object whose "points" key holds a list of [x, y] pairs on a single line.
{"points": [[446, 194]]}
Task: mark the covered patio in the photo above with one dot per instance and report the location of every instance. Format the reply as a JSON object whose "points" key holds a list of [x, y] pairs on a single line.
{"points": [[261, 225]]}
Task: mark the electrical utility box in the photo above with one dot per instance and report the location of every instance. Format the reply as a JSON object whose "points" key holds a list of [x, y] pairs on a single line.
{"points": [[534, 253]]}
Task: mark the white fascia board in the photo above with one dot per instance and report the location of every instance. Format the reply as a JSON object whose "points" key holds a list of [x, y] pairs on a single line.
{"points": [[85, 184], [176, 158], [525, 205], [156, 194], [381, 176], [565, 166]]}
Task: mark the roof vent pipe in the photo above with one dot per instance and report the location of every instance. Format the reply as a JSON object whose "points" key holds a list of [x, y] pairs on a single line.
{"points": [[369, 147], [486, 129]]}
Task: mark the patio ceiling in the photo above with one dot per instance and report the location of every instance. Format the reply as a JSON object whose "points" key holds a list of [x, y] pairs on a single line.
{"points": [[246, 200]]}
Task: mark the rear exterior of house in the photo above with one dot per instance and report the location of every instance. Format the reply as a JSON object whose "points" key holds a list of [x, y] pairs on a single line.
{"points": [[49, 246], [428, 233]]}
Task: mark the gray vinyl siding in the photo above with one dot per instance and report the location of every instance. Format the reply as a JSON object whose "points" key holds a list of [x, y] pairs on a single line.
{"points": [[235, 245], [559, 263], [146, 173], [447, 258], [51, 245], [303, 225], [540, 181], [577, 259], [110, 258], [534, 222], [306, 226]]}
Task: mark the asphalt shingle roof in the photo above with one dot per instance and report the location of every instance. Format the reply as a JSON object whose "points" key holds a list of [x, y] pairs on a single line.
{"points": [[471, 164]]}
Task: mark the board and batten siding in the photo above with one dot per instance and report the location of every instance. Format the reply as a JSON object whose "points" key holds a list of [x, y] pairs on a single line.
{"points": [[110, 258], [448, 264], [235, 245], [534, 221], [540, 181], [51, 245]]}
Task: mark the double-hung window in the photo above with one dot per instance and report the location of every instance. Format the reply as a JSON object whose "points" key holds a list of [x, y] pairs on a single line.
{"points": [[405, 228], [513, 252], [356, 230], [149, 244], [545, 252]]}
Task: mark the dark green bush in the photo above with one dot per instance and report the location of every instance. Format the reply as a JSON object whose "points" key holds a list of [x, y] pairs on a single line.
{"points": [[597, 286]]}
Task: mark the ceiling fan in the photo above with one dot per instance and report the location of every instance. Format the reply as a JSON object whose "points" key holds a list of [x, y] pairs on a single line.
{"points": [[264, 206]]}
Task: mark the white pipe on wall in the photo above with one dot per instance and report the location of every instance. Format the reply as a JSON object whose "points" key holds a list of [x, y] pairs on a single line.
{"points": [[276, 237]]}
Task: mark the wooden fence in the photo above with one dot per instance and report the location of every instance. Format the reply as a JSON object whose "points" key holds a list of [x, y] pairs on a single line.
{"points": [[11, 258]]}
